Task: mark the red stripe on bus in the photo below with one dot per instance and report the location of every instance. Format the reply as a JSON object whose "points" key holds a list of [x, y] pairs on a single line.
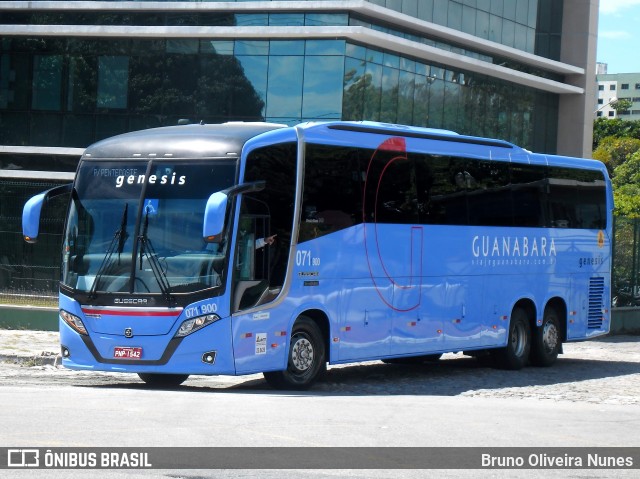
{"points": [[109, 312]]}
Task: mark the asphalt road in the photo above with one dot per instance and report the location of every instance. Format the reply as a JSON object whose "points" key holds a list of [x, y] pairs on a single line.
{"points": [[590, 399]]}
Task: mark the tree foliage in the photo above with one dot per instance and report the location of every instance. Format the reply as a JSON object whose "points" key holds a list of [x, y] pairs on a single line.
{"points": [[626, 187], [604, 127], [617, 144], [623, 104], [614, 151]]}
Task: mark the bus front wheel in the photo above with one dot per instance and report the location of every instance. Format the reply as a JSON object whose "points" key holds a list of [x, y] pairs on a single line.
{"points": [[163, 380], [307, 357], [516, 354]]}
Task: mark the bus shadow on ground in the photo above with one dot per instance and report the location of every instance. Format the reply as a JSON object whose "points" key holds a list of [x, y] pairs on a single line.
{"points": [[451, 376], [448, 377]]}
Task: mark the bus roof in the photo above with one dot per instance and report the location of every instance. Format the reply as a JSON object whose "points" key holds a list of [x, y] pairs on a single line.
{"points": [[182, 141], [226, 140]]}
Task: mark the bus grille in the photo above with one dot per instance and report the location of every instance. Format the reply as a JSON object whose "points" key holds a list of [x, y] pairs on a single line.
{"points": [[596, 294]]}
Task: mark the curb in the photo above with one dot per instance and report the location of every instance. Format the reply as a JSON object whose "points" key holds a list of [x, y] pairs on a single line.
{"points": [[43, 359]]}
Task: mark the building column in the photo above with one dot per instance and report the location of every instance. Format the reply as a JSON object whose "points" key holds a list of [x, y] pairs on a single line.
{"points": [[579, 41]]}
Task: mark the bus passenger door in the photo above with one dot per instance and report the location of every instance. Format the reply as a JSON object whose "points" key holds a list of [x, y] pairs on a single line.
{"points": [[251, 262]]}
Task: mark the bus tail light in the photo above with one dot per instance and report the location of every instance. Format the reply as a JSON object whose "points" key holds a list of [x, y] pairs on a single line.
{"points": [[194, 324], [74, 321]]}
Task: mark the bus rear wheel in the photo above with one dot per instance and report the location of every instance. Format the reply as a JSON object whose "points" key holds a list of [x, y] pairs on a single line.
{"points": [[307, 358], [547, 340], [516, 354], [163, 380]]}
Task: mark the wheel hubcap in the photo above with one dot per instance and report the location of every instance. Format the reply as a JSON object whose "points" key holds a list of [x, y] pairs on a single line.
{"points": [[550, 337], [518, 340], [302, 354]]}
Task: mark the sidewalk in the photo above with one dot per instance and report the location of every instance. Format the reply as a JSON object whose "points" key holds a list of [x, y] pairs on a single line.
{"points": [[27, 347]]}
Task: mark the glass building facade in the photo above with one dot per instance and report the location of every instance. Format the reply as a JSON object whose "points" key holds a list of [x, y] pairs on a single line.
{"points": [[72, 73]]}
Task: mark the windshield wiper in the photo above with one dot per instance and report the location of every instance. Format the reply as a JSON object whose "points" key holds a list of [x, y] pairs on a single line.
{"points": [[119, 239], [146, 248]]}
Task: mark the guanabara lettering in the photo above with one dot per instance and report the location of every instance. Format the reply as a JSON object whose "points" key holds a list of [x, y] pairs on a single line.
{"points": [[507, 246]]}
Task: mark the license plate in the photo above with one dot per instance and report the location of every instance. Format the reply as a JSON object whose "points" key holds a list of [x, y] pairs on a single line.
{"points": [[126, 352]]}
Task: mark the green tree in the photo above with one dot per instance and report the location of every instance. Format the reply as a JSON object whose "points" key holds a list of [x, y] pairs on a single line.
{"points": [[614, 151], [626, 187], [621, 105], [604, 127]]}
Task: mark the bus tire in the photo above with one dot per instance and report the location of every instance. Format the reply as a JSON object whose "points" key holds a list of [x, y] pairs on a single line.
{"points": [[306, 362], [547, 340], [163, 380], [516, 354]]}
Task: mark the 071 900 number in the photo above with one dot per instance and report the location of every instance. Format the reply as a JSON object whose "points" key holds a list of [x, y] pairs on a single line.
{"points": [[305, 258]]}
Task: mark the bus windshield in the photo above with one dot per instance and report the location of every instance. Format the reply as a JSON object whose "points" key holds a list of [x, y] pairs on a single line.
{"points": [[136, 227]]}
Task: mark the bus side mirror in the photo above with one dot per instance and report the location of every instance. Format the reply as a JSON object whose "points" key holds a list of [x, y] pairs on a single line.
{"points": [[31, 218], [216, 209], [33, 208], [214, 216]]}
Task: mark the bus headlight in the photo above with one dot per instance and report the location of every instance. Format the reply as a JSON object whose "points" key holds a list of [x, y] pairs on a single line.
{"points": [[194, 324], [73, 321]]}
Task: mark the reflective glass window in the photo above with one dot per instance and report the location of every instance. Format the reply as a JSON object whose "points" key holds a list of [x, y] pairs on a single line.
{"points": [[326, 19], [255, 71], [406, 91], [372, 91], [252, 47], [182, 45], [440, 9], [509, 11], [522, 12], [47, 82], [495, 28], [484, 5], [421, 100], [389, 99], [113, 81], [252, 20], [508, 33], [286, 47], [497, 6], [454, 19], [323, 86], [219, 47], [482, 24], [468, 20], [284, 94], [325, 47], [425, 10], [410, 7], [82, 84], [286, 19], [354, 51], [390, 60], [354, 87]]}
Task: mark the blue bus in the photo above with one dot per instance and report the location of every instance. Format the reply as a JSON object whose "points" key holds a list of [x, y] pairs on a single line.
{"points": [[239, 248]]}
